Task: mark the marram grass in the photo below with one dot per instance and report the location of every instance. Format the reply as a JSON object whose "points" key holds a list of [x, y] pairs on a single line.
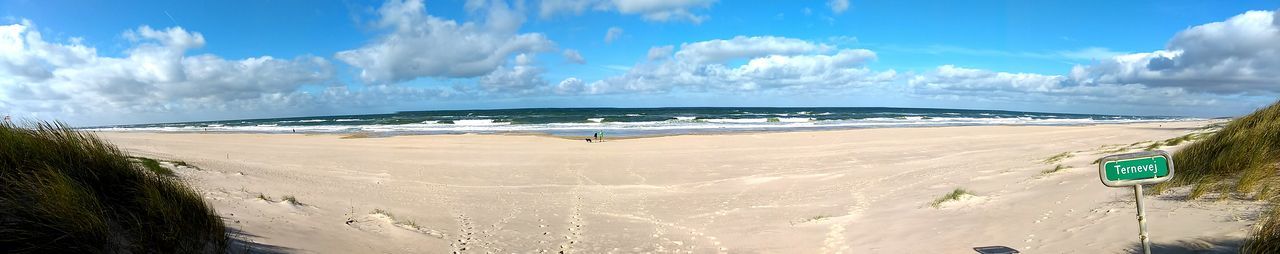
{"points": [[63, 191], [1240, 160], [954, 195], [1242, 155]]}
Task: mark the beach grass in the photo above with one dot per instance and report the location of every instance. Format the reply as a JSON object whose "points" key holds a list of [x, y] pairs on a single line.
{"points": [[1240, 159], [1058, 157], [1154, 145], [1243, 154], [954, 195], [264, 197], [397, 220], [292, 200], [153, 166], [1055, 169], [1265, 237], [67, 191], [1181, 139]]}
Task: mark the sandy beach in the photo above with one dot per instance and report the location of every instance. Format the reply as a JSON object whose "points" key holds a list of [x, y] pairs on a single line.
{"points": [[843, 191]]}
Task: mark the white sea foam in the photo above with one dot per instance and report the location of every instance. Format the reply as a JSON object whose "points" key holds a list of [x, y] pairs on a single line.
{"points": [[795, 119], [685, 118], [683, 124], [736, 120], [481, 122], [595, 119]]}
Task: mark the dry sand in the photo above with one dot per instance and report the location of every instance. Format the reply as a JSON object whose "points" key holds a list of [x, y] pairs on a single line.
{"points": [[850, 191]]}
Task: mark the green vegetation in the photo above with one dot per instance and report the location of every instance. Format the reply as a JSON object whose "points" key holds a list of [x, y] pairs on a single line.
{"points": [[1266, 238], [153, 166], [394, 220], [954, 195], [1055, 169], [1237, 161], [265, 198], [291, 200], [183, 164], [1180, 139], [1242, 156], [66, 191], [1058, 157], [1153, 146]]}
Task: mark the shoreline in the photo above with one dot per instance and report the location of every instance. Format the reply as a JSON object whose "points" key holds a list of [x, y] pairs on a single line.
{"points": [[626, 137]]}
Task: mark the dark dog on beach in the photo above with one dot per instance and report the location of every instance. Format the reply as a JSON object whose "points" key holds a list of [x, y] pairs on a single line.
{"points": [[588, 140]]}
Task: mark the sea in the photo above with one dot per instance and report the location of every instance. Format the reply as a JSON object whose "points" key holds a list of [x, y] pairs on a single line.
{"points": [[637, 121]]}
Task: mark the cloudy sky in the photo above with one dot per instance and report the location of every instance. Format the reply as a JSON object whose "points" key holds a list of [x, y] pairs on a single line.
{"points": [[116, 62]]}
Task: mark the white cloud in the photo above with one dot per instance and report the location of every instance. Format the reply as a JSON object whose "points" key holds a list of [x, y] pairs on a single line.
{"points": [[1239, 55], [838, 6], [652, 10], [1089, 53], [569, 86], [574, 57], [660, 52], [522, 78], [613, 34], [1234, 64], [739, 47], [420, 45], [772, 63], [1029, 87], [154, 75]]}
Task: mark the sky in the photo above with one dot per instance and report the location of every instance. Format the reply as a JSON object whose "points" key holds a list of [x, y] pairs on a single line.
{"points": [[100, 62]]}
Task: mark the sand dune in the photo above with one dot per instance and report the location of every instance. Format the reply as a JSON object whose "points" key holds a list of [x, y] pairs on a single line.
{"points": [[847, 191]]}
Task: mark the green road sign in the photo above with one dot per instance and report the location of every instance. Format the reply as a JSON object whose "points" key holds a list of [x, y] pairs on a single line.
{"points": [[1135, 168]]}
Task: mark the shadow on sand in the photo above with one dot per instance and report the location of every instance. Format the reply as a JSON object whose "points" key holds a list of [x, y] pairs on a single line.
{"points": [[243, 242], [1196, 246]]}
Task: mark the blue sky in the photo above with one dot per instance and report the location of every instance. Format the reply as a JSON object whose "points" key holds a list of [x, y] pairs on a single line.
{"points": [[111, 62]]}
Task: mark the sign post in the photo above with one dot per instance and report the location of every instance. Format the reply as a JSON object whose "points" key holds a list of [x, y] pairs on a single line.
{"points": [[1136, 169]]}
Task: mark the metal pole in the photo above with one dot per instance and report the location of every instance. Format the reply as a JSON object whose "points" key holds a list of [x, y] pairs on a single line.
{"points": [[1142, 220]]}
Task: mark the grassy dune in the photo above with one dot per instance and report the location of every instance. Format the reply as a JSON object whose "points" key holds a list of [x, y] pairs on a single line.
{"points": [[1239, 161], [65, 191]]}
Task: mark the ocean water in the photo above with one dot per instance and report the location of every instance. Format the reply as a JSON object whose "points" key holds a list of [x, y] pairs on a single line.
{"points": [[636, 121]]}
